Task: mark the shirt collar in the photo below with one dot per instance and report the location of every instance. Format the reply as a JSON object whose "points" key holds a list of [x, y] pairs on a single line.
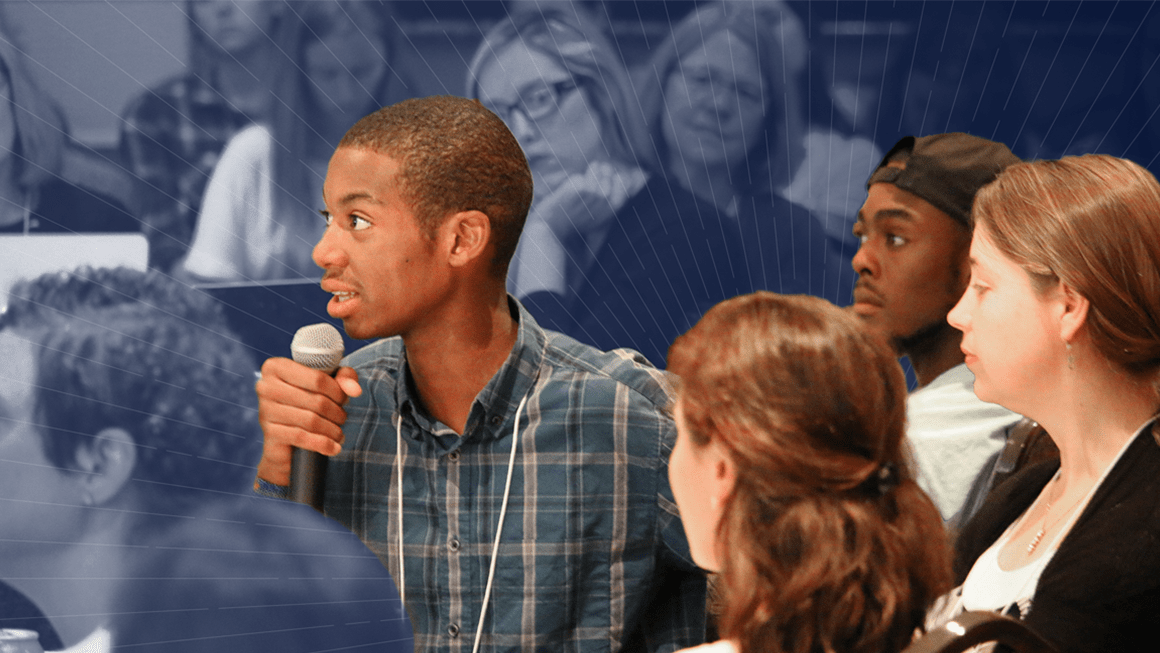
{"points": [[497, 402]]}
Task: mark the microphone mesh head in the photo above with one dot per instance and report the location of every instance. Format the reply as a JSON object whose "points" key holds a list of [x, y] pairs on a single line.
{"points": [[317, 346]]}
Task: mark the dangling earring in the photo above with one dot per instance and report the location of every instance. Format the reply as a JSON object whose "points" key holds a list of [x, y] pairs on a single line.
{"points": [[1070, 357]]}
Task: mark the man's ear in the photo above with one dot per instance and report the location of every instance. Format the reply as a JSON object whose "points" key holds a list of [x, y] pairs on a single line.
{"points": [[106, 464], [1074, 310], [468, 234]]}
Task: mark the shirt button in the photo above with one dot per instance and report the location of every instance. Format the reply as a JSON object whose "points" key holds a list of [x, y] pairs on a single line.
{"points": [[453, 630], [496, 420], [453, 456], [453, 545]]}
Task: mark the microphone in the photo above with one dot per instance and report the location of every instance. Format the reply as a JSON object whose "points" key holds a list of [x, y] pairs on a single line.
{"points": [[319, 347]]}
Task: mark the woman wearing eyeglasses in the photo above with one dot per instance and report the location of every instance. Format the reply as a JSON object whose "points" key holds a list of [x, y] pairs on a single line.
{"points": [[612, 253], [722, 99]]}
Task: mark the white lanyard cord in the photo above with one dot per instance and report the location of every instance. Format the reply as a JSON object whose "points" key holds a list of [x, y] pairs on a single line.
{"points": [[499, 527], [399, 506]]}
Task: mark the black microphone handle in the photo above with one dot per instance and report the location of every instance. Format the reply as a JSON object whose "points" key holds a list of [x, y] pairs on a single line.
{"points": [[319, 347], [307, 477]]}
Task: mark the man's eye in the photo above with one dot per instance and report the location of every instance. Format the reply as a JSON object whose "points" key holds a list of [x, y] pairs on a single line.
{"points": [[358, 223], [326, 216], [895, 241]]}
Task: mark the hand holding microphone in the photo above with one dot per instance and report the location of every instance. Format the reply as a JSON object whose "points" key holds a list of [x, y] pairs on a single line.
{"points": [[300, 407]]}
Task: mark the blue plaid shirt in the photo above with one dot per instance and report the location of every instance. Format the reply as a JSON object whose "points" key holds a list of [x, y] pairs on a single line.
{"points": [[592, 557]]}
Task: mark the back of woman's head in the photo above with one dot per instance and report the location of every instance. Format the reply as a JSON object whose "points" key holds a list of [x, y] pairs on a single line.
{"points": [[1092, 222], [41, 132], [576, 41], [777, 38], [828, 543]]}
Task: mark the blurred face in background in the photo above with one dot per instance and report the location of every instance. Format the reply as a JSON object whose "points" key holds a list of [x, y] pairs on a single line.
{"points": [[546, 110], [715, 104], [236, 26], [346, 70]]}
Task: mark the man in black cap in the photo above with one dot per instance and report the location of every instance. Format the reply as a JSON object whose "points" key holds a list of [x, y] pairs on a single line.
{"points": [[912, 268]]}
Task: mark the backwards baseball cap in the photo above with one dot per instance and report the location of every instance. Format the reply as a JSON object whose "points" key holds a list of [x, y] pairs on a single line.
{"points": [[944, 169]]}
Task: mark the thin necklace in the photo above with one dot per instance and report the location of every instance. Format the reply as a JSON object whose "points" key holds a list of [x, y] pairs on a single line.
{"points": [[1044, 527]]}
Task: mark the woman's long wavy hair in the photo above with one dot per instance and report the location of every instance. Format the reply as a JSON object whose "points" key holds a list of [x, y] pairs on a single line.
{"points": [[826, 541]]}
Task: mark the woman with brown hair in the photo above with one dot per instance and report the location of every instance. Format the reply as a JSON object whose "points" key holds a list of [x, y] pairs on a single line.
{"points": [[259, 215], [1061, 322], [793, 481]]}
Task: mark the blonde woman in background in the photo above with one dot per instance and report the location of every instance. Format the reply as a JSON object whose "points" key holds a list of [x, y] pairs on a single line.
{"points": [[613, 253]]}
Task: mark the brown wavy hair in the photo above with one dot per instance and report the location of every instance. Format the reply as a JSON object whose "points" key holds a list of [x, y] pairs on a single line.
{"points": [[831, 545], [1092, 222]]}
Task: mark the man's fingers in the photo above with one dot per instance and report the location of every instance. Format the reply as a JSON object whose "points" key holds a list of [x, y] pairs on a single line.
{"points": [[294, 436], [300, 407], [278, 371], [279, 419], [274, 393], [347, 379]]}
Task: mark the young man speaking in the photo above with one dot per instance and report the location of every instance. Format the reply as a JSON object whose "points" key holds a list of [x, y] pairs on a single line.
{"points": [[468, 415]]}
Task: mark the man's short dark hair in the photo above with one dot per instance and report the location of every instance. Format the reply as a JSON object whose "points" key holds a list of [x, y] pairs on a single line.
{"points": [[454, 155], [144, 353]]}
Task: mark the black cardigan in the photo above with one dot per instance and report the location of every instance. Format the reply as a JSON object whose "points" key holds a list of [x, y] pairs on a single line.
{"points": [[1101, 591]]}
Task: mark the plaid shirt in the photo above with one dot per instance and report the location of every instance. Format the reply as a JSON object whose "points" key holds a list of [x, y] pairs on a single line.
{"points": [[171, 138], [593, 556]]}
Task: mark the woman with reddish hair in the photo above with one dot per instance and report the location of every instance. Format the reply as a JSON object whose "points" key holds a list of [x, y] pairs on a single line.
{"points": [[1061, 323], [793, 480]]}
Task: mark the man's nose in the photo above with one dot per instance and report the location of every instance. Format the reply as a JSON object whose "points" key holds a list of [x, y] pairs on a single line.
{"points": [[864, 261], [327, 253]]}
